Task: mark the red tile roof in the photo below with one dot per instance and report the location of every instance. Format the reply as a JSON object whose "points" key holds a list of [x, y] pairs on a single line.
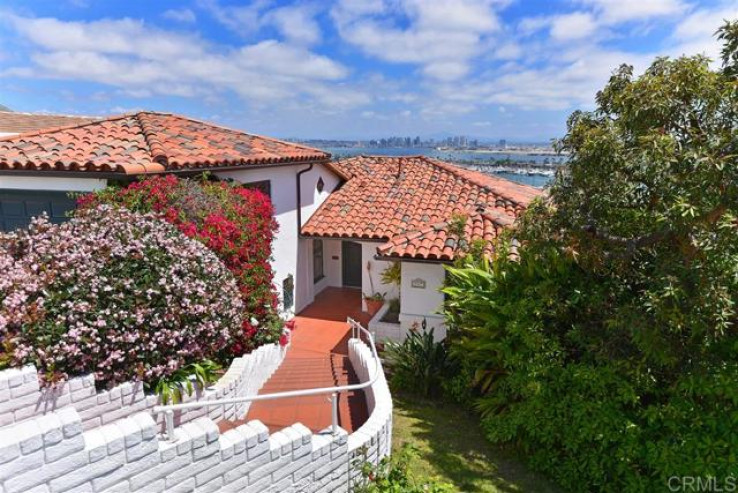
{"points": [[145, 142], [16, 123], [411, 202]]}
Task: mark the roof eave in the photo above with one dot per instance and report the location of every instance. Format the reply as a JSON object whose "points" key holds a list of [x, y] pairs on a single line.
{"points": [[124, 175]]}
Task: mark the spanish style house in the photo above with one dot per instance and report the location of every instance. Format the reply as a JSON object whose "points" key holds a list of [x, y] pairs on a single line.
{"points": [[341, 223]]}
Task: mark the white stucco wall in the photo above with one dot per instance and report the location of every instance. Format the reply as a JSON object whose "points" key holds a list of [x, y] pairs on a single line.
{"points": [[372, 278], [55, 183], [331, 267], [422, 302], [290, 254]]}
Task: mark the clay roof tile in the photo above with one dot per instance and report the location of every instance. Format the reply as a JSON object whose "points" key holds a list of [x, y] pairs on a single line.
{"points": [[411, 216], [146, 142]]}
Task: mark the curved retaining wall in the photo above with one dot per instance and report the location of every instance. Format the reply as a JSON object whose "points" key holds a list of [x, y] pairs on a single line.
{"points": [[21, 397], [373, 440], [58, 450]]}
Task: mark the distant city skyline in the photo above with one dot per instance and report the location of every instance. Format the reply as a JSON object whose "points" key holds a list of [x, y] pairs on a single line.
{"points": [[342, 69]]}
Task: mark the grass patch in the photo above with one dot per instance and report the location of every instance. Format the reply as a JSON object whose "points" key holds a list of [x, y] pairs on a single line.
{"points": [[451, 446]]}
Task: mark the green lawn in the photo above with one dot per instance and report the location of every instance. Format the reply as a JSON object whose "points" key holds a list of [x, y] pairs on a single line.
{"points": [[451, 446]]}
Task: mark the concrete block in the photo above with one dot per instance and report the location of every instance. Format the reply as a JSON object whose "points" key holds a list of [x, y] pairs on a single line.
{"points": [[29, 436], [95, 445], [31, 478], [131, 431], [211, 429], [237, 440], [250, 434], [114, 438], [9, 448], [78, 478], [123, 473], [51, 428], [21, 464], [196, 433], [261, 429], [141, 449], [185, 486], [201, 453], [147, 425], [25, 388], [161, 471], [64, 448], [167, 450], [71, 423], [191, 471], [14, 377], [290, 467], [214, 485]]}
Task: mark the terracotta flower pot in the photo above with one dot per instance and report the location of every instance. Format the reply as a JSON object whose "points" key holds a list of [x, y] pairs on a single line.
{"points": [[373, 306]]}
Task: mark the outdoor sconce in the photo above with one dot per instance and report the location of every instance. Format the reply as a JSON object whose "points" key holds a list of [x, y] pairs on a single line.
{"points": [[320, 185]]}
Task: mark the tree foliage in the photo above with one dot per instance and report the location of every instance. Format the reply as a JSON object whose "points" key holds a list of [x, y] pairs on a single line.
{"points": [[607, 346]]}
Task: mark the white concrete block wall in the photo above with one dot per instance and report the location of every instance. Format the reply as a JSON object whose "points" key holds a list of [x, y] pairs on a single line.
{"points": [[21, 397], [374, 438], [54, 452]]}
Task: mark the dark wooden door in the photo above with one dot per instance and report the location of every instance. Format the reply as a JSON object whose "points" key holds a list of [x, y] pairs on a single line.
{"points": [[351, 260]]}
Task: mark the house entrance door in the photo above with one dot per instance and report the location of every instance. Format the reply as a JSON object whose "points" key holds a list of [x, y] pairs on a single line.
{"points": [[351, 260]]}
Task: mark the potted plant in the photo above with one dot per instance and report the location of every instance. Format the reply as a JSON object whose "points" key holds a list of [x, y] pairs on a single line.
{"points": [[374, 302]]}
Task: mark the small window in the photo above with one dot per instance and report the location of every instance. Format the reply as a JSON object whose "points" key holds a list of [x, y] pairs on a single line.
{"points": [[264, 186], [288, 292], [318, 273]]}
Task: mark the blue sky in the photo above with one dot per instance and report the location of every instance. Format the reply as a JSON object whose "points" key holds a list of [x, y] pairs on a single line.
{"points": [[341, 68]]}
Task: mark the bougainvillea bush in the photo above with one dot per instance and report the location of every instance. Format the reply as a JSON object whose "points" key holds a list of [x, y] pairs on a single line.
{"points": [[236, 223], [114, 292]]}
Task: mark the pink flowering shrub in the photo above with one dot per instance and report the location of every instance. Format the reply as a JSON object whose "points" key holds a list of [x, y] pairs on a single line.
{"points": [[236, 223], [121, 294]]}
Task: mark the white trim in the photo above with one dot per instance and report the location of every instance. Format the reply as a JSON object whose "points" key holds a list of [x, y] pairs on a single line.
{"points": [[54, 184]]}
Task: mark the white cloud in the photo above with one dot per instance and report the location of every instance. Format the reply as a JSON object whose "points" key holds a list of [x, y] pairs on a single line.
{"points": [[145, 61], [577, 25], [242, 19], [180, 15], [295, 23], [508, 51], [695, 32], [115, 37], [616, 11], [570, 80], [442, 36]]}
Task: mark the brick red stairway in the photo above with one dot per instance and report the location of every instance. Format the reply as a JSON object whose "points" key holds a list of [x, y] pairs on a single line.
{"points": [[318, 357]]}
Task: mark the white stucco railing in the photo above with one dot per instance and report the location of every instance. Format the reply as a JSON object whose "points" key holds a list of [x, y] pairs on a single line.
{"points": [[357, 331]]}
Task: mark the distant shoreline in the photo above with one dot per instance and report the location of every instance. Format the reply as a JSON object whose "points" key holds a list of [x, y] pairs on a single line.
{"points": [[528, 152], [526, 166]]}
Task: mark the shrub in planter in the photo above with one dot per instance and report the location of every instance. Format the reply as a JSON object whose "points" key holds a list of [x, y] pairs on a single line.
{"points": [[117, 293], [234, 222], [374, 302]]}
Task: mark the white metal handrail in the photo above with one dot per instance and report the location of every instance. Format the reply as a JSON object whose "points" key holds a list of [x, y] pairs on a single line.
{"points": [[356, 329]]}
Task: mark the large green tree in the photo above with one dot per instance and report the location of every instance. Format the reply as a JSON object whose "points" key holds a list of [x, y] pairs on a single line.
{"points": [[606, 345]]}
